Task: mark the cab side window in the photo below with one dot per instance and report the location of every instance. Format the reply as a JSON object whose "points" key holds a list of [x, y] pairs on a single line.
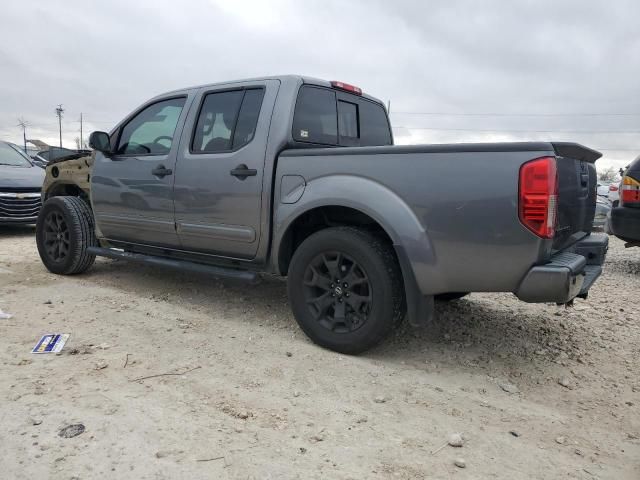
{"points": [[227, 120], [151, 131], [325, 117], [315, 119]]}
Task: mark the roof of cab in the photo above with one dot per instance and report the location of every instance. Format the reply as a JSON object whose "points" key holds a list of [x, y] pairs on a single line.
{"points": [[282, 78]]}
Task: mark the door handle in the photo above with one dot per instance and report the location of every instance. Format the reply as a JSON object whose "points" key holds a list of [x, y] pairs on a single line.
{"points": [[161, 171], [242, 172]]}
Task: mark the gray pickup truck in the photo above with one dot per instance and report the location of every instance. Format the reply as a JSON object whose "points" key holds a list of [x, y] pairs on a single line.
{"points": [[299, 177]]}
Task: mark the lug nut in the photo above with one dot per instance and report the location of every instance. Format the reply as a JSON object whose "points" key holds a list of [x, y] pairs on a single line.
{"points": [[345, 285]]}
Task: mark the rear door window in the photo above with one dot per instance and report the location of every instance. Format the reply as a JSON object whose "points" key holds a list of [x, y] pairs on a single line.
{"points": [[227, 120], [248, 118]]}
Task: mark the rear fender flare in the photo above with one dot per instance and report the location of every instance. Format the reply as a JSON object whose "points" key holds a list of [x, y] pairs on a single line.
{"points": [[409, 237]]}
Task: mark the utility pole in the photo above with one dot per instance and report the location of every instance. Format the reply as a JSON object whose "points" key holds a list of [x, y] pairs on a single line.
{"points": [[24, 124], [59, 112], [81, 143]]}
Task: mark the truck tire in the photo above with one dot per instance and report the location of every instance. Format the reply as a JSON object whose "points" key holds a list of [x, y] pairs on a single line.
{"points": [[64, 231], [449, 296], [345, 289]]}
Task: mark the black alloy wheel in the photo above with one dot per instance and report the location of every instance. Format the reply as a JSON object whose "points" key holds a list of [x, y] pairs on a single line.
{"points": [[56, 236], [338, 292]]}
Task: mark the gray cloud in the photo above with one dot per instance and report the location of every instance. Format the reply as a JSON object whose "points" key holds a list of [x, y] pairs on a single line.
{"points": [[520, 57]]}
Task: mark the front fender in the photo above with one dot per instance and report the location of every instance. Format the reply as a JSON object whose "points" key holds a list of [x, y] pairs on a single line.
{"points": [[376, 201]]}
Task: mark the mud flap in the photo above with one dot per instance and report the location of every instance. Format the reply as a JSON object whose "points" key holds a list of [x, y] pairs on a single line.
{"points": [[420, 308]]}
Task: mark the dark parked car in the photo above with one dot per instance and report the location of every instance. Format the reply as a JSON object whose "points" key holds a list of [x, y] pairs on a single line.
{"points": [[20, 185], [299, 177], [625, 218]]}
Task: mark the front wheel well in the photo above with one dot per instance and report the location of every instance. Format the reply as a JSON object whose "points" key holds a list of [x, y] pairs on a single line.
{"points": [[318, 219], [66, 190]]}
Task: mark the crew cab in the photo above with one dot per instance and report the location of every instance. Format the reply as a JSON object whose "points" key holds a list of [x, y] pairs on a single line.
{"points": [[299, 177]]}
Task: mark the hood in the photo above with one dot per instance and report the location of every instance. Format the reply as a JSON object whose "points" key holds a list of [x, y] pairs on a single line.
{"points": [[21, 177]]}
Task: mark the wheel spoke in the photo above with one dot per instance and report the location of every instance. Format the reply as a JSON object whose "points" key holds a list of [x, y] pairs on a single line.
{"points": [[352, 278], [357, 301], [318, 280], [322, 304], [332, 265], [57, 237]]}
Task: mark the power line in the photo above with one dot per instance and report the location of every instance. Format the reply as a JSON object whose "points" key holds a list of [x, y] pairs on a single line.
{"points": [[616, 132], [505, 114]]}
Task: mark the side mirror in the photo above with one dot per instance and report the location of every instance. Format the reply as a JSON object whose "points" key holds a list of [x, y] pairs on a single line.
{"points": [[101, 142]]}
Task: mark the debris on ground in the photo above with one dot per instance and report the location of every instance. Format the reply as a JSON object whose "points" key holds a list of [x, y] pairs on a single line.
{"points": [[456, 440], [509, 387], [460, 463], [100, 365], [4, 315], [51, 343], [71, 431], [564, 381]]}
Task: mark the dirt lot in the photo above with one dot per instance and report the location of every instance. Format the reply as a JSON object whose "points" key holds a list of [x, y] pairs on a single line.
{"points": [[538, 391]]}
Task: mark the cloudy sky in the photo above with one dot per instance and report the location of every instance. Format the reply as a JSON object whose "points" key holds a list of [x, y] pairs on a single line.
{"points": [[454, 71]]}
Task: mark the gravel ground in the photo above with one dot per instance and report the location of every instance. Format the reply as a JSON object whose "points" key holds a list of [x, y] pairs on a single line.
{"points": [[537, 391]]}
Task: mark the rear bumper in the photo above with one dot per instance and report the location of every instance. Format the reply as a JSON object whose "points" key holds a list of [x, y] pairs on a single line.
{"points": [[625, 223], [567, 275]]}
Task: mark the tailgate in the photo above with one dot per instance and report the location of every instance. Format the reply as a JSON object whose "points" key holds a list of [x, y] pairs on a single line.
{"points": [[577, 182]]}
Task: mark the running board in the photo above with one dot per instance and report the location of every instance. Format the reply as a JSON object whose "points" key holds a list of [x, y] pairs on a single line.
{"points": [[218, 272]]}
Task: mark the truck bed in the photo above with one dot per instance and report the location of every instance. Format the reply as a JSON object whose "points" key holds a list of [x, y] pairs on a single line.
{"points": [[463, 197]]}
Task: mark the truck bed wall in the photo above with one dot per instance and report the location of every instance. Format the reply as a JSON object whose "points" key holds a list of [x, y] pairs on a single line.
{"points": [[454, 212]]}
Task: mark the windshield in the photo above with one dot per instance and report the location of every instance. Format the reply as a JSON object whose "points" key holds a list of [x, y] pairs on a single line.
{"points": [[9, 155]]}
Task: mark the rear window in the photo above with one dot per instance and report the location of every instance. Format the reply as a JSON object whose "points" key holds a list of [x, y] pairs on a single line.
{"points": [[324, 116], [374, 125]]}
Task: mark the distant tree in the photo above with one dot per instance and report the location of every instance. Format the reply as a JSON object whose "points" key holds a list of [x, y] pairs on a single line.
{"points": [[608, 175]]}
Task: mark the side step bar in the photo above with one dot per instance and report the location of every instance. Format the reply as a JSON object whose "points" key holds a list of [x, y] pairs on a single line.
{"points": [[214, 271]]}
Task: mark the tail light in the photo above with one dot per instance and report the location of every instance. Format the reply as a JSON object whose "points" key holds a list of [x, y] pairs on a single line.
{"points": [[538, 197], [346, 87], [630, 190], [613, 187]]}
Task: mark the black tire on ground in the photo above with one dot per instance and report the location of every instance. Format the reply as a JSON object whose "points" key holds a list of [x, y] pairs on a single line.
{"points": [[449, 296], [353, 317], [64, 231]]}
